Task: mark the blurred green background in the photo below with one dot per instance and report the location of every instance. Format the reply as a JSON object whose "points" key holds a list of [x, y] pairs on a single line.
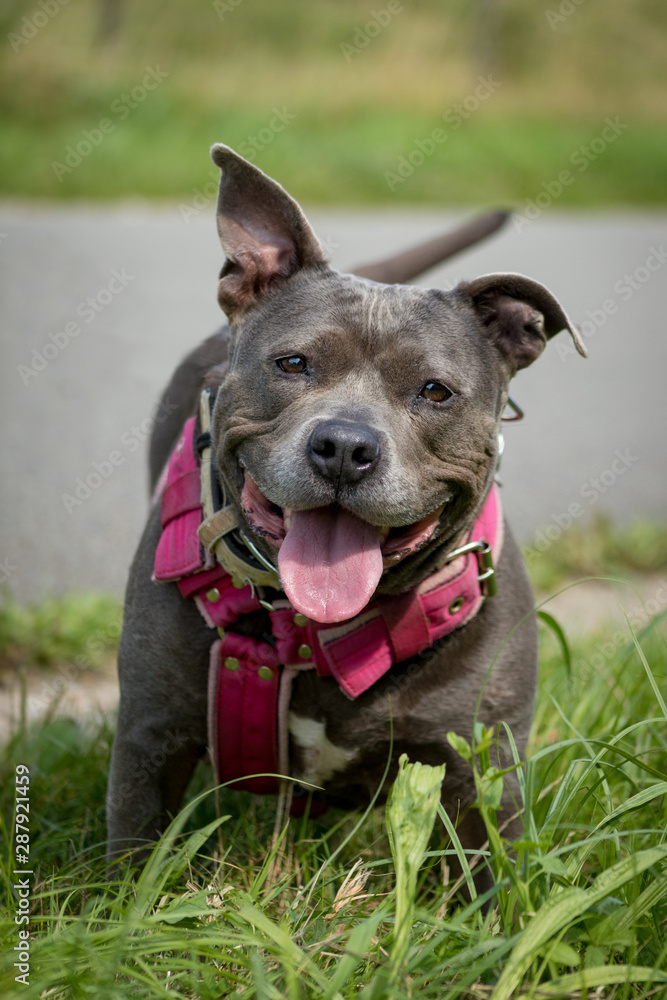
{"points": [[356, 86]]}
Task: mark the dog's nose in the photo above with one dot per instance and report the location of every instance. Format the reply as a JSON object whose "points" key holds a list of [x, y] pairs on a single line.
{"points": [[343, 451]]}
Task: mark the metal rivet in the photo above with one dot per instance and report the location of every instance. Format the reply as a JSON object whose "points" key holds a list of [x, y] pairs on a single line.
{"points": [[231, 663], [300, 619], [221, 632], [238, 583], [266, 673], [213, 595], [456, 605], [305, 652]]}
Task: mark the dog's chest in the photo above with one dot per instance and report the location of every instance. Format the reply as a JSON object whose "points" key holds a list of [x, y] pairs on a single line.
{"points": [[315, 759]]}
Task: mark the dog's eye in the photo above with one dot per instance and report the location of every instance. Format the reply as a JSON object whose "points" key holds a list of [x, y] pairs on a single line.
{"points": [[436, 392], [293, 365]]}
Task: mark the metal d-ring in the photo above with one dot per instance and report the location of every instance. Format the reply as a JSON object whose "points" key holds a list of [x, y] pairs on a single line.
{"points": [[514, 406], [487, 574]]}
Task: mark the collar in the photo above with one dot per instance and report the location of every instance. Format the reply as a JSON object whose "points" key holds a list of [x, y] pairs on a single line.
{"points": [[221, 530]]}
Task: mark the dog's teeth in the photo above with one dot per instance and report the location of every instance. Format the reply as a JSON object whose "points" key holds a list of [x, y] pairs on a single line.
{"points": [[287, 518], [382, 534]]}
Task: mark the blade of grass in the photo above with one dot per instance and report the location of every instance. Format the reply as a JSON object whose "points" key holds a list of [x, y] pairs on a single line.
{"points": [[561, 909], [649, 673], [355, 952], [603, 975], [626, 917], [560, 636], [460, 853]]}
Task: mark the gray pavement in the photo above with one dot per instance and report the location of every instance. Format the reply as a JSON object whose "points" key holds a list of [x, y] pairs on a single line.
{"points": [[98, 304]]}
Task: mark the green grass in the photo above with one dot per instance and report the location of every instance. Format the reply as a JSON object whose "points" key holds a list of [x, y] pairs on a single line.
{"points": [[599, 548], [353, 118], [229, 904], [79, 629]]}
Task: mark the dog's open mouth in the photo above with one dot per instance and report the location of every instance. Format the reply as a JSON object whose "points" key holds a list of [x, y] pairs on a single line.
{"points": [[330, 561]]}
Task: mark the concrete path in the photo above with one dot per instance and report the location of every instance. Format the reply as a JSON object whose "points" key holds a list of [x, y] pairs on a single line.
{"points": [[99, 304]]}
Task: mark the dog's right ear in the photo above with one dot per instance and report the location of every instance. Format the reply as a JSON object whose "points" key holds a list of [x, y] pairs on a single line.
{"points": [[265, 235], [518, 315]]}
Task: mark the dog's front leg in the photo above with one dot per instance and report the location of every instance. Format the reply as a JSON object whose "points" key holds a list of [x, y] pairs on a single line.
{"points": [[162, 718], [151, 766]]}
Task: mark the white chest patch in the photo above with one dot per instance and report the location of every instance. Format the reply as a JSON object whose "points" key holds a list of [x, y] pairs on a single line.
{"points": [[319, 757]]}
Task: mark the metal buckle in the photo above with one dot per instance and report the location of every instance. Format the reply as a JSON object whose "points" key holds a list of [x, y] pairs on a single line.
{"points": [[487, 575]]}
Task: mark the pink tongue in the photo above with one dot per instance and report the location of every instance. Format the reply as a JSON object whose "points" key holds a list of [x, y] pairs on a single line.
{"points": [[330, 563]]}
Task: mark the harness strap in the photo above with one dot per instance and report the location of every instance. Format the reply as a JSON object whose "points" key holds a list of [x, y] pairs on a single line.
{"points": [[243, 692], [247, 734], [406, 623], [178, 552], [217, 525], [392, 629], [181, 496]]}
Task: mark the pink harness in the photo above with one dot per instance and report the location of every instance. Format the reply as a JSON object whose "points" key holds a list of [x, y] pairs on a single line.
{"points": [[250, 681]]}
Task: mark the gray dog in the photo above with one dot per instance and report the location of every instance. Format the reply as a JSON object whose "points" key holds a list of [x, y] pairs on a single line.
{"points": [[326, 582]]}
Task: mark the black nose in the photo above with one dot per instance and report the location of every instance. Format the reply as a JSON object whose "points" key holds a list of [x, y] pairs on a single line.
{"points": [[342, 451]]}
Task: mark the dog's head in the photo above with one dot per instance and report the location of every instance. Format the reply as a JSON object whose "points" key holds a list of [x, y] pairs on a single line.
{"points": [[357, 423]]}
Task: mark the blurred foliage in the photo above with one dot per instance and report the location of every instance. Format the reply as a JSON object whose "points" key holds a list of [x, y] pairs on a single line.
{"points": [[78, 628], [597, 549], [361, 95]]}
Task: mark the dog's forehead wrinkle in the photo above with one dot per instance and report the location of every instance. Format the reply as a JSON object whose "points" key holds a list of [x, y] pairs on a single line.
{"points": [[346, 320]]}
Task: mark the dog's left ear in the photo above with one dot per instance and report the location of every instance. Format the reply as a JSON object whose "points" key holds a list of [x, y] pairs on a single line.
{"points": [[519, 315], [265, 235]]}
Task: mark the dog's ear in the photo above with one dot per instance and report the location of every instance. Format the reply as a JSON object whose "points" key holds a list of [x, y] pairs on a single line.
{"points": [[519, 315], [264, 233]]}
